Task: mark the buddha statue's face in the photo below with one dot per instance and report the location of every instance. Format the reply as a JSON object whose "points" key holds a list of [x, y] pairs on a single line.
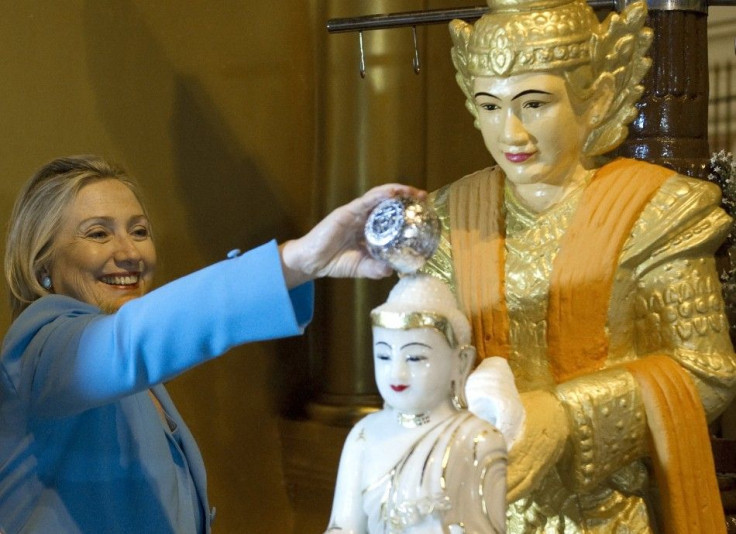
{"points": [[531, 127], [413, 368]]}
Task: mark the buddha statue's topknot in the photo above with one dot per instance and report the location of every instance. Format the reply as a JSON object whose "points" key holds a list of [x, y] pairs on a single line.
{"points": [[564, 36]]}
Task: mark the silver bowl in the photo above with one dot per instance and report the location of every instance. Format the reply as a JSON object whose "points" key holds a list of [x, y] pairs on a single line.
{"points": [[403, 232]]}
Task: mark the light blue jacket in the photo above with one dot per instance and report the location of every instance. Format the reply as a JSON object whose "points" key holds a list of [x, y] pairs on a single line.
{"points": [[82, 447]]}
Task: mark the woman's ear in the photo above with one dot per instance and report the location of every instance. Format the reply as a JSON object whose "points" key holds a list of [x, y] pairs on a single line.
{"points": [[44, 279]]}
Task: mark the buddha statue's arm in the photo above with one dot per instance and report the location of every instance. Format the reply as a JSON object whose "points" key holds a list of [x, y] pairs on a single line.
{"points": [[675, 309]]}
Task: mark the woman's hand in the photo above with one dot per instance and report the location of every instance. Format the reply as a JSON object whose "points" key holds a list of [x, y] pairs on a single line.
{"points": [[540, 445], [334, 247]]}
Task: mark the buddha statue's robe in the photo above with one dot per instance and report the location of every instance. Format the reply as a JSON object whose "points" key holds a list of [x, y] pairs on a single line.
{"points": [[453, 473]]}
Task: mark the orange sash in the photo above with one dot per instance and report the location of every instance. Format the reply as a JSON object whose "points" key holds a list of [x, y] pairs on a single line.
{"points": [[582, 274], [478, 254], [682, 458]]}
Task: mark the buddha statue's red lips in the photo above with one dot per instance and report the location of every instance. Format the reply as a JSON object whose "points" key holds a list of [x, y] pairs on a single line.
{"points": [[399, 387]]}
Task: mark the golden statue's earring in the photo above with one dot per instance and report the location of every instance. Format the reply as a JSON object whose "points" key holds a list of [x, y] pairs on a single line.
{"points": [[46, 282]]}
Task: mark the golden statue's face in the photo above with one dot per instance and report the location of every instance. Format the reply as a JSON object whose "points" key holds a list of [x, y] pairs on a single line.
{"points": [[530, 127]]}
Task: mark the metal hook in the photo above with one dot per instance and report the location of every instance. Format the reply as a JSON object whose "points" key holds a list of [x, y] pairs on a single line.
{"points": [[415, 60], [362, 55]]}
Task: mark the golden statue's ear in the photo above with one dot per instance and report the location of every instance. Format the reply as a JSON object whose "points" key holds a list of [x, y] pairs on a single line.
{"points": [[604, 93]]}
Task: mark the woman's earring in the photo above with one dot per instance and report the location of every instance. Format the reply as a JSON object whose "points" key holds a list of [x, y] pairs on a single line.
{"points": [[46, 282]]}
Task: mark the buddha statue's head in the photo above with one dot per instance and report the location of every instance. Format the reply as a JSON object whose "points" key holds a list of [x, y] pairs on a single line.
{"points": [[599, 61], [421, 343]]}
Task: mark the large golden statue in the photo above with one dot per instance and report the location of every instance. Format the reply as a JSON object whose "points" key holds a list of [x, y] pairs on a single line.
{"points": [[594, 277]]}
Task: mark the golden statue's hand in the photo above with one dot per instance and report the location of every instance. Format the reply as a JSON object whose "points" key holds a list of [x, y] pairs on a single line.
{"points": [[540, 444]]}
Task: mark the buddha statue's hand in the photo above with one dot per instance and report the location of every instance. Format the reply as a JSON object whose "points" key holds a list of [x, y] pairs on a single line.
{"points": [[540, 444], [334, 247], [492, 395]]}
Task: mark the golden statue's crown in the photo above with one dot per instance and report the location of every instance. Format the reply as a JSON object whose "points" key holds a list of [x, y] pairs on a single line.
{"points": [[521, 36], [527, 35]]}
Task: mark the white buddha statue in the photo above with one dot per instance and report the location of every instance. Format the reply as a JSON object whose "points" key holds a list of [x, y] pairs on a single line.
{"points": [[422, 464]]}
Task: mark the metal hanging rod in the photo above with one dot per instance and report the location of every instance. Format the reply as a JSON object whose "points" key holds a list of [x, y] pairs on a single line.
{"points": [[439, 16], [419, 18], [436, 16], [407, 18]]}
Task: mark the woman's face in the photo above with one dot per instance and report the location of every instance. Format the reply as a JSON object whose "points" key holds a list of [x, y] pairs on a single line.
{"points": [[530, 127], [413, 368], [103, 254]]}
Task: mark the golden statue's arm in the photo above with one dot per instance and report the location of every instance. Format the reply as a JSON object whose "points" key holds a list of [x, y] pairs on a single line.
{"points": [[669, 293]]}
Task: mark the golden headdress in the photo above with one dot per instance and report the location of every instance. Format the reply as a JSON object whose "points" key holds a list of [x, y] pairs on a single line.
{"points": [[521, 36]]}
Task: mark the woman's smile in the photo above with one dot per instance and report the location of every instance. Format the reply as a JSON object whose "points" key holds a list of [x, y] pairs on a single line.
{"points": [[123, 280]]}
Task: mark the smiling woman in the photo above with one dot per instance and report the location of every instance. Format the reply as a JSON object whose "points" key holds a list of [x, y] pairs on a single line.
{"points": [[90, 440], [531, 128], [104, 254]]}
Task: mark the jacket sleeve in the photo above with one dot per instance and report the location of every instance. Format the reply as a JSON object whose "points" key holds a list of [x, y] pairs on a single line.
{"points": [[66, 356]]}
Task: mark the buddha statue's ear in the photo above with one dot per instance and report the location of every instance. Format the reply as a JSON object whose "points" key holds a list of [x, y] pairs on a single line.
{"points": [[466, 357]]}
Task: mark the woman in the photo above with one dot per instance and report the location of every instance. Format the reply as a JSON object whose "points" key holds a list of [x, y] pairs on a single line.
{"points": [[594, 278], [89, 439], [423, 463]]}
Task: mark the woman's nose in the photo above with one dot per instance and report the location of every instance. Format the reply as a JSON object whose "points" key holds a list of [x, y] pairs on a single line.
{"points": [[127, 250]]}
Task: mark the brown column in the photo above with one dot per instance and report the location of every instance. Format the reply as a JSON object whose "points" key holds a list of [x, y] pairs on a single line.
{"points": [[672, 126]]}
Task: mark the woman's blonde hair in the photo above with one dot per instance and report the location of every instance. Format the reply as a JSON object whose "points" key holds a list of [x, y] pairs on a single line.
{"points": [[37, 216]]}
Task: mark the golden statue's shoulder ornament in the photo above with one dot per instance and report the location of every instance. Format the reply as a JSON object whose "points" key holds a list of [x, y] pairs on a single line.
{"points": [[684, 215]]}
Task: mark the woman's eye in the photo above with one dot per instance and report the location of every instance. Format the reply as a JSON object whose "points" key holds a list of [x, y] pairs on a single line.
{"points": [[384, 357], [416, 358], [96, 234], [141, 232]]}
